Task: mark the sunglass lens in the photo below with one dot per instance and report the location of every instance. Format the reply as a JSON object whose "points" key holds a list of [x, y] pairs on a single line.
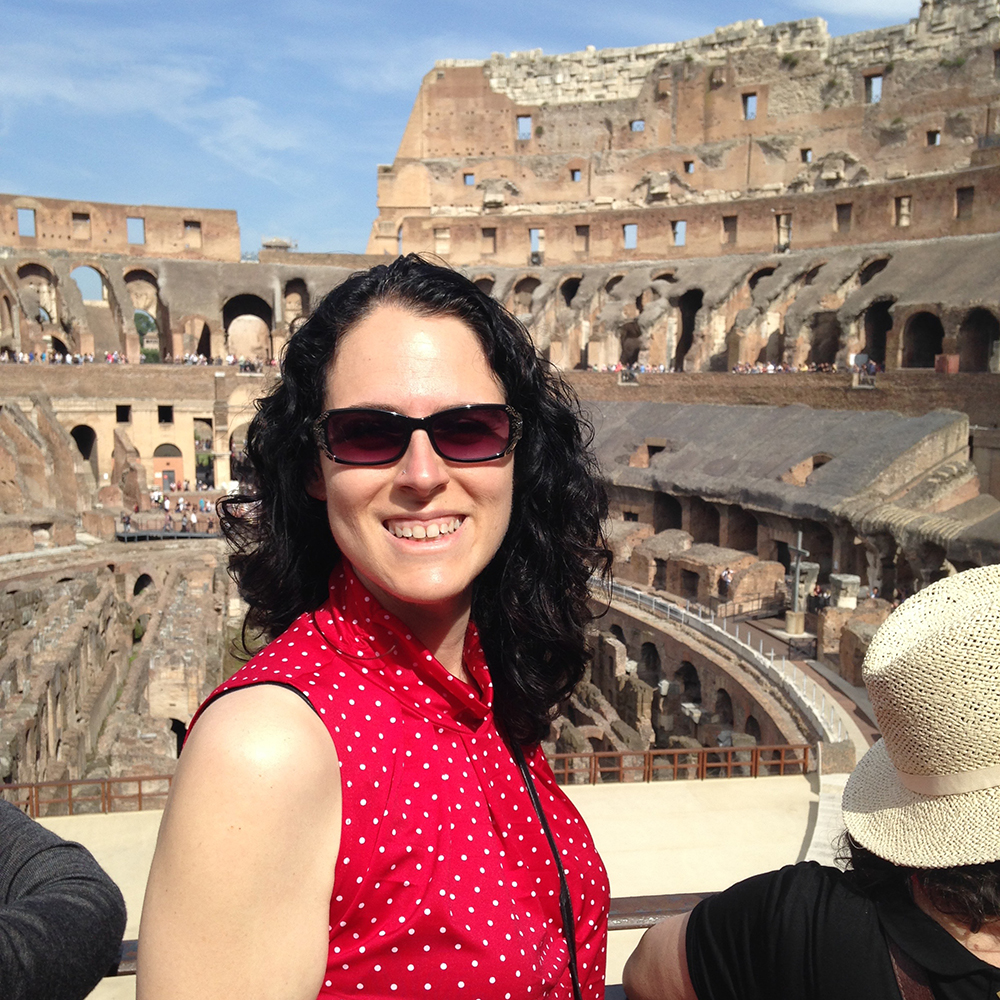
{"points": [[365, 437], [472, 435]]}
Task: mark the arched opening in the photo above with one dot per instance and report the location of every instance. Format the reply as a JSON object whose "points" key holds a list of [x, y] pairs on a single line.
{"points": [[151, 322], [204, 458], [724, 707], [774, 350], [204, 347], [826, 335], [667, 276], [649, 664], [180, 731], [689, 304], [523, 291], [7, 342], [810, 276], [978, 340], [247, 321], [871, 269], [239, 469], [687, 677], [878, 323], [667, 512], [612, 283], [569, 288], [757, 275], [296, 300], [485, 284], [86, 443], [168, 467], [922, 339], [752, 728], [59, 346], [141, 583], [631, 341], [37, 286], [90, 281]]}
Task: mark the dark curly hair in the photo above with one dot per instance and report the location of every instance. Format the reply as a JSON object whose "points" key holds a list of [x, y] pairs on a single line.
{"points": [[531, 603], [969, 893]]}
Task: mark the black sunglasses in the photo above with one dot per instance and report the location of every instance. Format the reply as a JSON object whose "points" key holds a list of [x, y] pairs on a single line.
{"points": [[475, 433]]}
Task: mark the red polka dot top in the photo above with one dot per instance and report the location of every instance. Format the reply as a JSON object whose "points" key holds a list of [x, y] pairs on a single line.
{"points": [[445, 880]]}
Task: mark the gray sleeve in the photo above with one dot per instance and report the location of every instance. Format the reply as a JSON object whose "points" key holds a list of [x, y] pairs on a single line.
{"points": [[61, 916]]}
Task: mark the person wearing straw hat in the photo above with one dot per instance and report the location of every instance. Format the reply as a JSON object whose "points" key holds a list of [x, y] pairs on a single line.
{"points": [[917, 912]]}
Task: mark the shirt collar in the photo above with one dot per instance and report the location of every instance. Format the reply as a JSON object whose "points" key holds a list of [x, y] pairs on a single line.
{"points": [[382, 648]]}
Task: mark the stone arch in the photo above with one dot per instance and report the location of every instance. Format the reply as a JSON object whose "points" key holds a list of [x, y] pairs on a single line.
{"points": [[872, 268], [569, 288], [825, 338], [59, 345], [689, 304], [649, 664], [144, 291], [143, 581], [105, 320], [247, 319], [168, 466], [631, 342], [752, 728], [201, 337], [524, 289], [485, 283], [724, 706], [978, 341], [667, 276], [8, 340], [37, 289], [760, 273], [612, 283], [238, 468], [813, 273], [86, 443], [296, 300], [619, 634], [687, 677], [922, 340], [878, 323]]}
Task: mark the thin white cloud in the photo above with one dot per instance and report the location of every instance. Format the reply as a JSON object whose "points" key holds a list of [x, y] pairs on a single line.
{"points": [[882, 14]]}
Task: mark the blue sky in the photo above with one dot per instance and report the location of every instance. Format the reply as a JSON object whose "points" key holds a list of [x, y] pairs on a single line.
{"points": [[282, 110]]}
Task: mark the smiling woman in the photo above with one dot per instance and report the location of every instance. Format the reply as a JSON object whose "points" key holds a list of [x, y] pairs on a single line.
{"points": [[368, 807]]}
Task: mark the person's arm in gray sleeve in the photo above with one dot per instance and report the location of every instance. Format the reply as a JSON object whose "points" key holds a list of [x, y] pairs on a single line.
{"points": [[61, 916]]}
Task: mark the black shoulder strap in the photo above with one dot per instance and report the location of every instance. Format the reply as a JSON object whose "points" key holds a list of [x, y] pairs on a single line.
{"points": [[911, 977], [565, 905]]}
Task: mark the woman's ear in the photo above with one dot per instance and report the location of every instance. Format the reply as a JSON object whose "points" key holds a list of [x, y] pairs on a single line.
{"points": [[316, 483]]}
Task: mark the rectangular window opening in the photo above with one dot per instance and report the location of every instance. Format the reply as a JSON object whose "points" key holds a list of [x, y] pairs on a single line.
{"points": [[637, 125], [469, 179], [523, 127], [783, 222], [136, 229], [442, 242], [489, 243], [963, 202], [749, 107], [689, 166], [581, 239], [81, 226], [729, 228], [933, 137], [192, 235], [123, 413], [904, 210], [537, 238], [873, 88], [844, 213], [630, 515], [630, 235], [165, 414], [26, 222], [806, 155], [575, 176], [678, 230]]}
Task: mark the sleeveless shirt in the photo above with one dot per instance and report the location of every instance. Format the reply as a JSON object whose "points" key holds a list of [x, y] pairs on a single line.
{"points": [[444, 879]]}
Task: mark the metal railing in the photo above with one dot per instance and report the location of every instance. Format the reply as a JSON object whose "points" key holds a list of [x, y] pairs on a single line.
{"points": [[823, 713], [678, 764], [89, 795]]}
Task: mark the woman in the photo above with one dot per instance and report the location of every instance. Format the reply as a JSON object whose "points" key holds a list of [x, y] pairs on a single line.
{"points": [[917, 914], [423, 521]]}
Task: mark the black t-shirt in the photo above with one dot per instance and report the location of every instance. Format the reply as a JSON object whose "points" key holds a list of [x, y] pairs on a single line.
{"points": [[806, 932]]}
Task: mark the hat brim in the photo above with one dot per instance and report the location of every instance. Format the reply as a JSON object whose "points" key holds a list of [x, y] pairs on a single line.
{"points": [[919, 831]]}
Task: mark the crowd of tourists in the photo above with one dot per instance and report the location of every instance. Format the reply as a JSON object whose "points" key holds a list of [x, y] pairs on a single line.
{"points": [[50, 357], [832, 368]]}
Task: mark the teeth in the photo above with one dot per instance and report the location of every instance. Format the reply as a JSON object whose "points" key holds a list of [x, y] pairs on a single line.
{"points": [[425, 531]]}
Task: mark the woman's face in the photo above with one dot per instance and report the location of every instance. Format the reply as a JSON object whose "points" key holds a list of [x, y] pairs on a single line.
{"points": [[415, 365]]}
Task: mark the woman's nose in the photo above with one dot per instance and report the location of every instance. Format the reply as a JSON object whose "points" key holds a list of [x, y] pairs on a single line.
{"points": [[422, 469]]}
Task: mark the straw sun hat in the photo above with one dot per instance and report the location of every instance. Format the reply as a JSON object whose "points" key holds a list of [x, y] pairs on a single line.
{"points": [[927, 794]]}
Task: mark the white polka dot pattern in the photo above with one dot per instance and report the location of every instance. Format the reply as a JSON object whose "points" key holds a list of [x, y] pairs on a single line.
{"points": [[445, 879]]}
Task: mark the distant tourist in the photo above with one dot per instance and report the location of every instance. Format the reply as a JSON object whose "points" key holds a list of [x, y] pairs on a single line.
{"points": [[917, 913]]}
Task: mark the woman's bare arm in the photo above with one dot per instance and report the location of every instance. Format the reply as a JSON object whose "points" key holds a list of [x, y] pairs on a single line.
{"points": [[658, 969], [238, 898]]}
